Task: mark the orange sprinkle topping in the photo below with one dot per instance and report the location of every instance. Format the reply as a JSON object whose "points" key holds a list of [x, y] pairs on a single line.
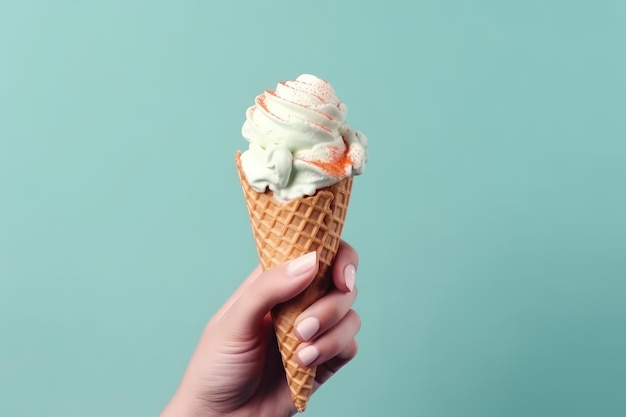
{"points": [[260, 100], [273, 93], [336, 167]]}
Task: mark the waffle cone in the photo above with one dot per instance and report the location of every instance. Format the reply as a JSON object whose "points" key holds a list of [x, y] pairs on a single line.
{"points": [[285, 231]]}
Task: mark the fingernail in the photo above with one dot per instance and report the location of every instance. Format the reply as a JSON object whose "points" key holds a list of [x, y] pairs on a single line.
{"points": [[307, 328], [308, 355], [302, 264], [349, 274]]}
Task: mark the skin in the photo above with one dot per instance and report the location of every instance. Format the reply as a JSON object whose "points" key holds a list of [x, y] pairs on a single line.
{"points": [[236, 369]]}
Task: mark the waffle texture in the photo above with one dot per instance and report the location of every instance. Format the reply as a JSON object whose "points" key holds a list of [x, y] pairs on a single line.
{"points": [[285, 231]]}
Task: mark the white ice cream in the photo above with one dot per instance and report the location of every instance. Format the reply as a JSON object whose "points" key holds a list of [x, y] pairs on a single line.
{"points": [[299, 140]]}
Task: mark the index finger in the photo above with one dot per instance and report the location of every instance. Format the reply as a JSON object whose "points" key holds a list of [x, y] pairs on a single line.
{"points": [[344, 267]]}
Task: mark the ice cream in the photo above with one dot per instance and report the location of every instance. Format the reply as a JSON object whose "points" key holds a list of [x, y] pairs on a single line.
{"points": [[297, 177], [300, 140]]}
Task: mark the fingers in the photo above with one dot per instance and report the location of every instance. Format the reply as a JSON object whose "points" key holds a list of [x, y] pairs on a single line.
{"points": [[324, 314], [330, 344], [344, 267], [332, 366], [263, 290], [269, 288], [329, 326]]}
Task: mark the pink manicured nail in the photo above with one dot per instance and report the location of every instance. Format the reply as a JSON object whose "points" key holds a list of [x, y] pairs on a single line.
{"points": [[349, 274], [308, 355], [302, 264], [308, 327]]}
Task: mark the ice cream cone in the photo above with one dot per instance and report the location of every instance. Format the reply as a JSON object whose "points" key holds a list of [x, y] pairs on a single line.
{"points": [[284, 231]]}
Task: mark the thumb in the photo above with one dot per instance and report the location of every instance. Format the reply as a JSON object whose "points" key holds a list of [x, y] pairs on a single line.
{"points": [[272, 287]]}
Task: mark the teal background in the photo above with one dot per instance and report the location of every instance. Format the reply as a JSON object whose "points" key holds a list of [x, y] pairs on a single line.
{"points": [[489, 221]]}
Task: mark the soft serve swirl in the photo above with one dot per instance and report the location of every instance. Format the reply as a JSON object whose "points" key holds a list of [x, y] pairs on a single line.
{"points": [[299, 140]]}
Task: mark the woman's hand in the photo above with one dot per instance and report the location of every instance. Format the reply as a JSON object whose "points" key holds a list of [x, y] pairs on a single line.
{"points": [[236, 369]]}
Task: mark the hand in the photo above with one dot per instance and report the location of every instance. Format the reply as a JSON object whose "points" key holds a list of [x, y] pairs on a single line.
{"points": [[236, 369]]}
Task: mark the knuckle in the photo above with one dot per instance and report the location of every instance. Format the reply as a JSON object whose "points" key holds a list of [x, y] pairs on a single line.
{"points": [[356, 319], [348, 248], [355, 292], [352, 350]]}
